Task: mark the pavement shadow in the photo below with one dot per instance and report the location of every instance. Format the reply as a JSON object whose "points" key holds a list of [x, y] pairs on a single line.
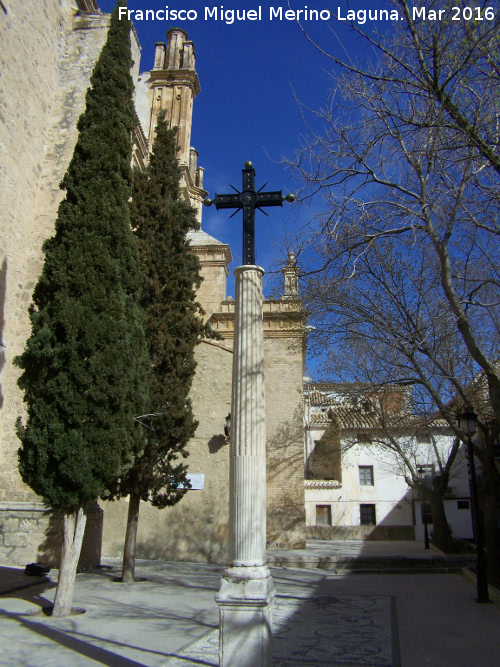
{"points": [[15, 584], [90, 651]]}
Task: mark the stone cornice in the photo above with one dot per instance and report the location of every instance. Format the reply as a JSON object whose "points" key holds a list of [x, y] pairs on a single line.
{"points": [[282, 333], [283, 319], [35, 506], [275, 325], [322, 484], [91, 21], [183, 77], [206, 254], [194, 190], [223, 323]]}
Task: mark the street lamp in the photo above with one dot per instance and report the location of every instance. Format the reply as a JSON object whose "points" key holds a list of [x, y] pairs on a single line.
{"points": [[227, 426], [467, 421], [425, 482]]}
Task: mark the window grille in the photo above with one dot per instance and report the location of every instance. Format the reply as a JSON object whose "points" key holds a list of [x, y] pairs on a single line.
{"points": [[323, 515], [367, 515], [366, 475]]}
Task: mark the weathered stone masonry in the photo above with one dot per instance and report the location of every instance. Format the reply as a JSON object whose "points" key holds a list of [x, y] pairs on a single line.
{"points": [[47, 55], [48, 52]]}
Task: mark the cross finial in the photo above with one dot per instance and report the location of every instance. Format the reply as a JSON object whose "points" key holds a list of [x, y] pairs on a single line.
{"points": [[248, 200]]}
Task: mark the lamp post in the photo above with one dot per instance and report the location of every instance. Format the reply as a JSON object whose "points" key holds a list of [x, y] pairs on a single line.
{"points": [[467, 421], [227, 427], [424, 513]]}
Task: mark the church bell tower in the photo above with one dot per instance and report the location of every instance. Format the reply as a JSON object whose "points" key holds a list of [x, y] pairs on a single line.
{"points": [[172, 86]]}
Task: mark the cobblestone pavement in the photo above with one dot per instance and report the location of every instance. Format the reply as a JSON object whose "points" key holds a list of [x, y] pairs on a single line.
{"points": [[320, 619], [313, 632]]}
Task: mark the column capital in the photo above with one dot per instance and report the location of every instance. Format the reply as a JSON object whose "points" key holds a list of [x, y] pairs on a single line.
{"points": [[248, 267]]}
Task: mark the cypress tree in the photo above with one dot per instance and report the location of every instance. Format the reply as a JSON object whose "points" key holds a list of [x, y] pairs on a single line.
{"points": [[85, 363], [173, 327]]}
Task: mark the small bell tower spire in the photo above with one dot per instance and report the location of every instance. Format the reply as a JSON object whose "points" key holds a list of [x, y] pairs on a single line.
{"points": [[173, 86]]}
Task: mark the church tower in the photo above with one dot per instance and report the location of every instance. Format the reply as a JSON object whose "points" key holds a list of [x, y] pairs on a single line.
{"points": [[171, 86]]}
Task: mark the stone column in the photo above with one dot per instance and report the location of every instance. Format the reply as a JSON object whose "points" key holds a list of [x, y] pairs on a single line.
{"points": [[246, 593]]}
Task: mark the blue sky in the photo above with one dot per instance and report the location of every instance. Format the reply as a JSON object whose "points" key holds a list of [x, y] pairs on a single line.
{"points": [[251, 73]]}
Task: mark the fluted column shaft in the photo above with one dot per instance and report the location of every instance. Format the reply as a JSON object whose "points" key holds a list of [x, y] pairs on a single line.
{"points": [[248, 429], [247, 592]]}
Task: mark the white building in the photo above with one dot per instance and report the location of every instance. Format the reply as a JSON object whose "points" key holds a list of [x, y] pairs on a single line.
{"points": [[362, 444]]}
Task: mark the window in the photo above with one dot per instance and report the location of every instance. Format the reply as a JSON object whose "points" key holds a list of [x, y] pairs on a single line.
{"points": [[367, 515], [424, 438], [426, 472], [366, 475], [364, 437], [463, 505], [323, 515]]}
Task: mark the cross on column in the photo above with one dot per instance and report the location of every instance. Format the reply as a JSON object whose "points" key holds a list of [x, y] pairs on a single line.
{"points": [[248, 200]]}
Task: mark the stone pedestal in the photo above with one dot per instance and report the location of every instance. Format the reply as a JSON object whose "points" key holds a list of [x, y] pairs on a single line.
{"points": [[247, 592]]}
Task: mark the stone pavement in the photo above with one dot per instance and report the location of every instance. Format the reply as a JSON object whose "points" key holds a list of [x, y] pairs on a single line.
{"points": [[346, 556], [169, 618]]}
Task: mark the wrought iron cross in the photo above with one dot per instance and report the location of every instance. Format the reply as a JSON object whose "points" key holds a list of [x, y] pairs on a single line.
{"points": [[248, 200]]}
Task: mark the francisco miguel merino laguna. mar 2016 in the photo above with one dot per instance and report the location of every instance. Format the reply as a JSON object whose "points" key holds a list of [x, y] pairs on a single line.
{"points": [[360, 16]]}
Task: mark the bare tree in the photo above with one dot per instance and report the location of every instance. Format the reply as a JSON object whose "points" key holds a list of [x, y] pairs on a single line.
{"points": [[407, 445], [403, 257], [409, 149], [387, 327]]}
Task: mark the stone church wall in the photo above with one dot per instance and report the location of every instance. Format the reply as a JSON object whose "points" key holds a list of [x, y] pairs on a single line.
{"points": [[197, 527], [283, 368], [47, 55], [46, 59], [29, 532]]}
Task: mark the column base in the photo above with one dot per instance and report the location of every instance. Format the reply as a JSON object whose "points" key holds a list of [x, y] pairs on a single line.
{"points": [[245, 602]]}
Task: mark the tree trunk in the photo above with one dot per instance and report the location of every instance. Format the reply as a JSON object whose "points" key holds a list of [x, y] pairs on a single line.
{"points": [[494, 394], [128, 567], [489, 505], [73, 530], [491, 538], [440, 528]]}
